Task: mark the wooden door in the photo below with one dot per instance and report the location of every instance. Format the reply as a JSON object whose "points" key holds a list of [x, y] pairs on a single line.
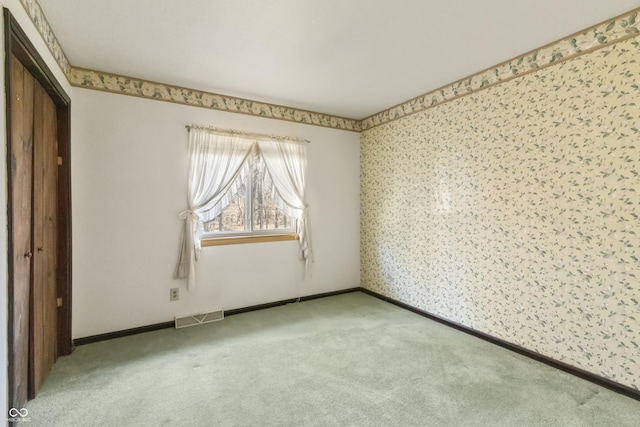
{"points": [[38, 124], [43, 284], [21, 163], [33, 195]]}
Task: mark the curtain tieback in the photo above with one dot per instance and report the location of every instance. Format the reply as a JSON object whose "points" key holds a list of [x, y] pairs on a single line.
{"points": [[193, 220], [188, 214]]}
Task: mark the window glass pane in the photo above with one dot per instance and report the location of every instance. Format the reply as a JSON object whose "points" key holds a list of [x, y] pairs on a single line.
{"points": [[233, 217], [266, 215]]}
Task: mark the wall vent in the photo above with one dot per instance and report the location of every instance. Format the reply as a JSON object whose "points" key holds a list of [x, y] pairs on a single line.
{"points": [[199, 319]]}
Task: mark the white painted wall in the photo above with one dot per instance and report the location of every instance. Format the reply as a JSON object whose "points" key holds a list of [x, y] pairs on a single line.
{"points": [[25, 23], [129, 172]]}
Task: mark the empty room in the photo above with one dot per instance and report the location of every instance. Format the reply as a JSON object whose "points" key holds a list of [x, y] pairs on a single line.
{"points": [[323, 213]]}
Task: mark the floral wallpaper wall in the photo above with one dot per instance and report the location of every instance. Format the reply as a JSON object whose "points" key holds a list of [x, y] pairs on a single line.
{"points": [[515, 210]]}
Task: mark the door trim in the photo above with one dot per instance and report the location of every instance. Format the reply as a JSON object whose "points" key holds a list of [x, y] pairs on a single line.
{"points": [[16, 42]]}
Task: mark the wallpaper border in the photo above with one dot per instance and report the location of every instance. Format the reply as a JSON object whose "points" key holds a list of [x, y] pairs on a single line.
{"points": [[36, 15], [614, 30], [124, 85], [617, 29]]}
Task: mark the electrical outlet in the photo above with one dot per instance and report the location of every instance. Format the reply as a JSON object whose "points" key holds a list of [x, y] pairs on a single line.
{"points": [[174, 294]]}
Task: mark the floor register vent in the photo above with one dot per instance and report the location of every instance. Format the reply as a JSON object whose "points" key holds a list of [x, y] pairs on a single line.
{"points": [[199, 319]]}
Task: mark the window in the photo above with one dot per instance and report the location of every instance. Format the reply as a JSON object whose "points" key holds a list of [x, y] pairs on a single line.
{"points": [[240, 186], [253, 209]]}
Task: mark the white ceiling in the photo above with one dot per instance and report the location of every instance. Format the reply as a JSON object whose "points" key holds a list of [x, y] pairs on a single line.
{"points": [[350, 58]]}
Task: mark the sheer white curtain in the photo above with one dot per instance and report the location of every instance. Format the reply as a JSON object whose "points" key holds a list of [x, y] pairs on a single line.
{"points": [[215, 161], [286, 162]]}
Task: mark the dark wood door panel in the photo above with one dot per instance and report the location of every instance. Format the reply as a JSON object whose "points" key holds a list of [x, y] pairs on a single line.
{"points": [[36, 366], [21, 163], [44, 285], [50, 230]]}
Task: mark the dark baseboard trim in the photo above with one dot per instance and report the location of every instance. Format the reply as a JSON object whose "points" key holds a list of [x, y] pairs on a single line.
{"points": [[166, 325], [125, 333], [585, 375], [288, 301]]}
